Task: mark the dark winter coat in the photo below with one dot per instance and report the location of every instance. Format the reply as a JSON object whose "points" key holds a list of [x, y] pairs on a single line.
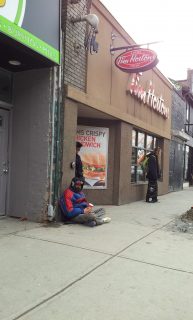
{"points": [[153, 172], [78, 169], [72, 203]]}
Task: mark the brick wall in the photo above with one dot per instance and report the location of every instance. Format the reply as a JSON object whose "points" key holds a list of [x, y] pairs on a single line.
{"points": [[75, 56], [178, 111], [176, 156]]}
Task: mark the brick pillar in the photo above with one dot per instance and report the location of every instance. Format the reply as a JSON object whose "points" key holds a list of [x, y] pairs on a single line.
{"points": [[69, 149], [122, 163]]}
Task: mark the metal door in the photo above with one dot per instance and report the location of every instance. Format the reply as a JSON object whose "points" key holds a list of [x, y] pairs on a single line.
{"points": [[176, 166], [4, 129]]}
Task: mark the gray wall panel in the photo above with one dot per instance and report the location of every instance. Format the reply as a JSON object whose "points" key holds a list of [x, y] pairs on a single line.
{"points": [[30, 130]]}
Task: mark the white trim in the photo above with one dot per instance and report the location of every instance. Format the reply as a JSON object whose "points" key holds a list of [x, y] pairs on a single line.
{"points": [[181, 134], [22, 14], [5, 105]]}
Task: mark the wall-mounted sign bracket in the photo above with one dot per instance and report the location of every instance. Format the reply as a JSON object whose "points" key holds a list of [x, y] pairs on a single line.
{"points": [[112, 49]]}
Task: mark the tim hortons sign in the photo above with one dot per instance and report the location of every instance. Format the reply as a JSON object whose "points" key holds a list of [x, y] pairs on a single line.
{"points": [[136, 60], [148, 96]]}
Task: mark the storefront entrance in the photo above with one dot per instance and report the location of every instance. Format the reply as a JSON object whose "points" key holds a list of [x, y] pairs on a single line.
{"points": [[4, 169], [176, 173]]}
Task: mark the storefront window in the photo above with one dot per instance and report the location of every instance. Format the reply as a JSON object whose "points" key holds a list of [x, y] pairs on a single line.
{"points": [[187, 112], [142, 143], [141, 140], [186, 156], [149, 142], [134, 134], [133, 164]]}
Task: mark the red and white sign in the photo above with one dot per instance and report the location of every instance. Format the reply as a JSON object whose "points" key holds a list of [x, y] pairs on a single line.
{"points": [[136, 60], [147, 96], [94, 155]]}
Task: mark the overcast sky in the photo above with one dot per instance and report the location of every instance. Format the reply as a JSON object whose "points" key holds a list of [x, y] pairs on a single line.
{"points": [[169, 21]]}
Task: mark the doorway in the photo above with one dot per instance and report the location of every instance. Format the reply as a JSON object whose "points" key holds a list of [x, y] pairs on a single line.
{"points": [[176, 166], [4, 168]]}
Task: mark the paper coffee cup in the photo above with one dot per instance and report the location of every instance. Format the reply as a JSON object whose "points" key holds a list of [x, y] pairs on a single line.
{"points": [[91, 205]]}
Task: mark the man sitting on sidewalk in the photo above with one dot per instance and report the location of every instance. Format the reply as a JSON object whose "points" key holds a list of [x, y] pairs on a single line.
{"points": [[75, 207]]}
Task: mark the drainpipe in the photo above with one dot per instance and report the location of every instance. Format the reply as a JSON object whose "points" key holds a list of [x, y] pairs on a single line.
{"points": [[55, 172], [59, 139], [52, 138]]}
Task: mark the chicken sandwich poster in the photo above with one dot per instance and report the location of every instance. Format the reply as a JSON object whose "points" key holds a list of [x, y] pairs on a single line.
{"points": [[94, 155]]}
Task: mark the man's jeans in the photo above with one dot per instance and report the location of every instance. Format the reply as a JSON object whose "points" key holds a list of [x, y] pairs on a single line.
{"points": [[88, 217]]}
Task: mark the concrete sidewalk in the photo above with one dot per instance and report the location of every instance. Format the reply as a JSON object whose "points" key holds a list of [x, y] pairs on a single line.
{"points": [[134, 268]]}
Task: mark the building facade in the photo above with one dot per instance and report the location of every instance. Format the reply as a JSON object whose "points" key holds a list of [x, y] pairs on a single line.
{"points": [[46, 106], [109, 102], [178, 142], [181, 148], [30, 56]]}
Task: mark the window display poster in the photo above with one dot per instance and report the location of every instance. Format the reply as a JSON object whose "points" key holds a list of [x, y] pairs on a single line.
{"points": [[94, 155]]}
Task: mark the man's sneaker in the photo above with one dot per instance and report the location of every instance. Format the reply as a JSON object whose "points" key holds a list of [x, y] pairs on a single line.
{"points": [[106, 220], [91, 224], [100, 220]]}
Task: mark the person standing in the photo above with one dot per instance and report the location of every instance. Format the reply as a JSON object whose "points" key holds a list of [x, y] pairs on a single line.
{"points": [[153, 174], [78, 167]]}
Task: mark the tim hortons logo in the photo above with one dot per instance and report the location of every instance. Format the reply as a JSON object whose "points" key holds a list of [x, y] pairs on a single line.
{"points": [[136, 60], [148, 96]]}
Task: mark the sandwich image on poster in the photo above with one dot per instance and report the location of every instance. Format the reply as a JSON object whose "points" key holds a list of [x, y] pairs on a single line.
{"points": [[94, 155], [94, 167]]}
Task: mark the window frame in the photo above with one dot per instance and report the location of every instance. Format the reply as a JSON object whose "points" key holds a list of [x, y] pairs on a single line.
{"points": [[137, 174]]}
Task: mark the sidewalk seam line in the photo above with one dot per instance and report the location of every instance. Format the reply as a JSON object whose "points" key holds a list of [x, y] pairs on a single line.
{"points": [[156, 265], [64, 244], [62, 290], [84, 276], [110, 254]]}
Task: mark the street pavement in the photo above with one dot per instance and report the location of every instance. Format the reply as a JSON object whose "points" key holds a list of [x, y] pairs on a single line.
{"points": [[138, 267]]}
